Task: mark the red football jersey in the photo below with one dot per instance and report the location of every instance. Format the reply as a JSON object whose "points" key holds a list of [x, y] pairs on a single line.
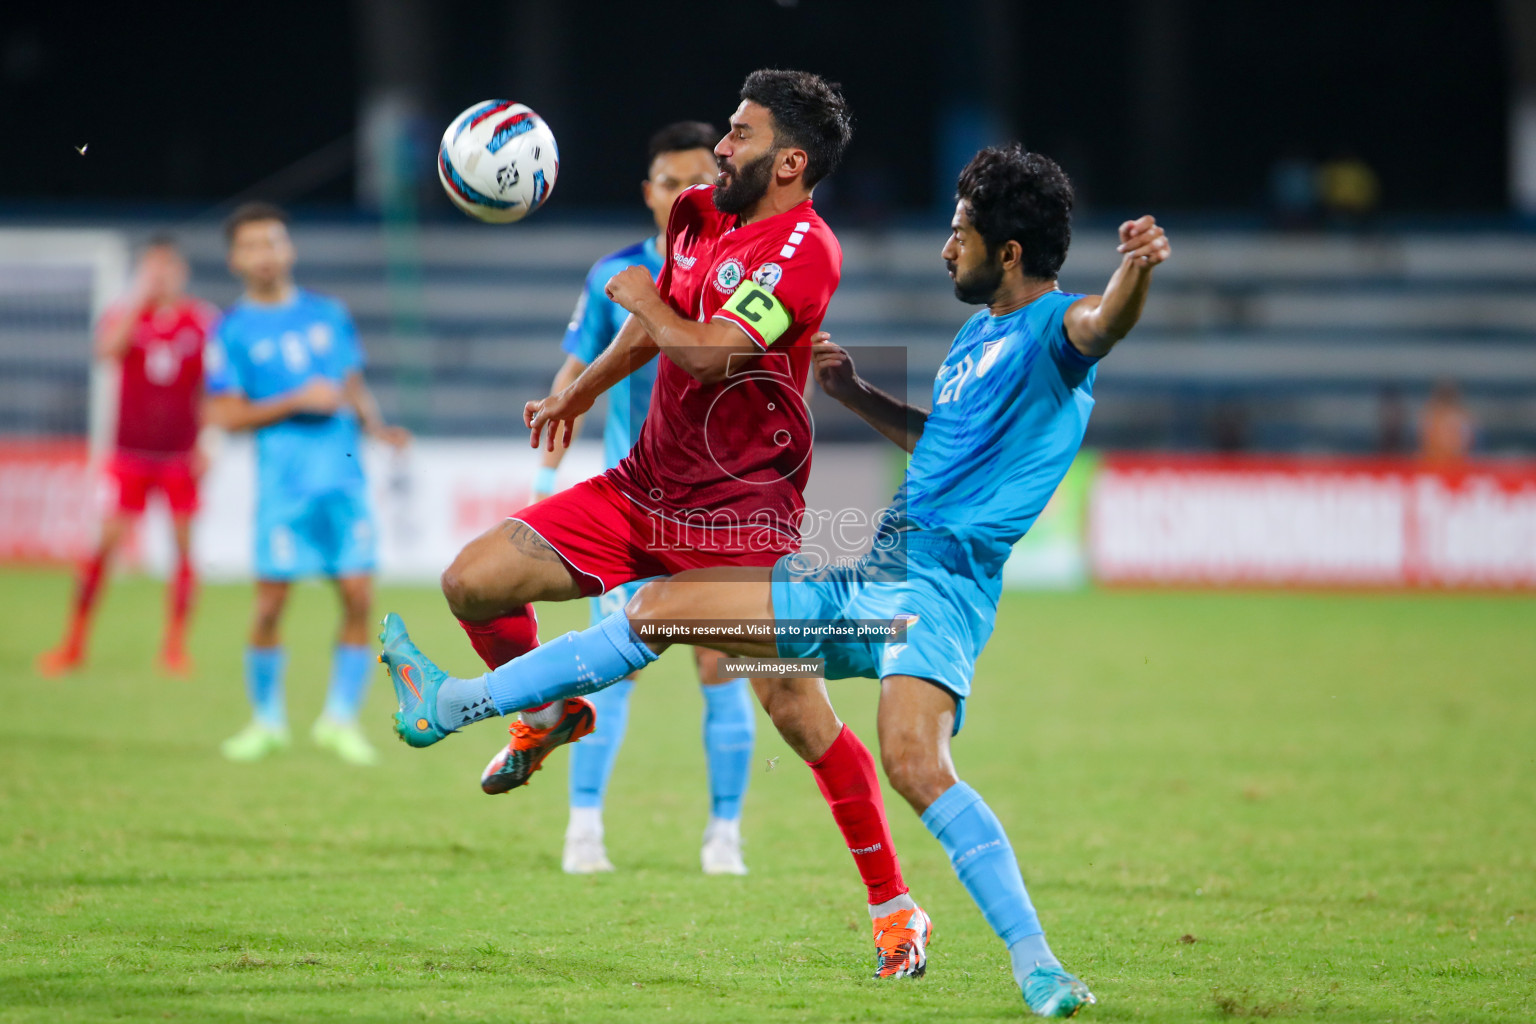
{"points": [[162, 378], [737, 452]]}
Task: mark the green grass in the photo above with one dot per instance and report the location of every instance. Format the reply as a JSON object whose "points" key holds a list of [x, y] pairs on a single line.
{"points": [[1297, 807]]}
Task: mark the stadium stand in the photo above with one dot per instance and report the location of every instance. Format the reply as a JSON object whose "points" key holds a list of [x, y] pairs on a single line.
{"points": [[1255, 341]]}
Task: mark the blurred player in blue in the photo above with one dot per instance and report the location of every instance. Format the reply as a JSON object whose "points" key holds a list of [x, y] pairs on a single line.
{"points": [[286, 364], [1010, 406], [681, 156]]}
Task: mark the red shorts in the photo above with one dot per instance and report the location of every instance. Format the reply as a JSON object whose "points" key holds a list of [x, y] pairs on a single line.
{"points": [[136, 475], [608, 539]]}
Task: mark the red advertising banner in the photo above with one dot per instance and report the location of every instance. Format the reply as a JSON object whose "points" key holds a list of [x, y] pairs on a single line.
{"points": [[49, 501], [1256, 521]]}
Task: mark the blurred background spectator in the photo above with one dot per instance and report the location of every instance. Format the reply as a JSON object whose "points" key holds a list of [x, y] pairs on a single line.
{"points": [[1447, 431]]}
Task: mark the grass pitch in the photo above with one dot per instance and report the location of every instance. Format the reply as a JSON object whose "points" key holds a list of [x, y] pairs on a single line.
{"points": [[1227, 806]]}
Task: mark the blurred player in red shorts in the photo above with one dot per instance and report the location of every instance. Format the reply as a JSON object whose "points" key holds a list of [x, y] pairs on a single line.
{"points": [[156, 336]]}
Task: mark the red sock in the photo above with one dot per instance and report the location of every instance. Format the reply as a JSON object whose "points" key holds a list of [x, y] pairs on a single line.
{"points": [[499, 640], [846, 776], [183, 586], [87, 587]]}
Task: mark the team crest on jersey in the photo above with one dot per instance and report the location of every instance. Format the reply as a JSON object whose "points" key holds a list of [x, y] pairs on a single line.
{"points": [[989, 352], [728, 275], [768, 275]]}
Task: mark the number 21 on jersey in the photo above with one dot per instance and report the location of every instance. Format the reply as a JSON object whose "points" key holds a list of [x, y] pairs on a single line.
{"points": [[950, 391]]}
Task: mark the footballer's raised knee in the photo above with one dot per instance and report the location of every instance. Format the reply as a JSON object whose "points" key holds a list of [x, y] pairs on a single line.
{"points": [[920, 775], [470, 593], [802, 714], [661, 599]]}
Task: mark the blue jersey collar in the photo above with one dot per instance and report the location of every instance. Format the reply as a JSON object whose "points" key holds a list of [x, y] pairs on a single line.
{"points": [[1021, 309], [297, 297]]}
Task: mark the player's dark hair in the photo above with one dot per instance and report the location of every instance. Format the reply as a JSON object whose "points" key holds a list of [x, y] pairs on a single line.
{"points": [[250, 213], [1012, 194], [809, 113], [161, 240], [681, 136]]}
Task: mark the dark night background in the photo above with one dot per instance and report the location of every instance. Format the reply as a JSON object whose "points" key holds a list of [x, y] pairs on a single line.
{"points": [[1181, 105]]}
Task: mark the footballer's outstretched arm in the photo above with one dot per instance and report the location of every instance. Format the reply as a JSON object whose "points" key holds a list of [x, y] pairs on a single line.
{"points": [[703, 351], [1095, 323], [902, 423], [631, 349]]}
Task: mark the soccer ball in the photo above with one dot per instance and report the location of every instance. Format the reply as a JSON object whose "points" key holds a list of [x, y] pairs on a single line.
{"points": [[498, 161]]}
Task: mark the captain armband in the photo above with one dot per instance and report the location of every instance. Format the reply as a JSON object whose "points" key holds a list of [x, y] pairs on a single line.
{"points": [[755, 305]]}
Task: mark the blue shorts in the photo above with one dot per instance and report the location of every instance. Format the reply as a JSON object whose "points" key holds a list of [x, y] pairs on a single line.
{"points": [[949, 620], [325, 534]]}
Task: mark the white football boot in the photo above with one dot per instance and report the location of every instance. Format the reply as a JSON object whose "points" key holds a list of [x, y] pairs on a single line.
{"points": [[584, 851], [721, 853]]}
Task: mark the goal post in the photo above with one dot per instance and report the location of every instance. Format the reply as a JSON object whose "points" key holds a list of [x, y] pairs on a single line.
{"points": [[54, 285]]}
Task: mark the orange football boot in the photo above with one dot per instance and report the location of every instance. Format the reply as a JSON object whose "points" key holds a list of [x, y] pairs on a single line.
{"points": [[901, 943], [176, 662], [60, 661], [514, 766]]}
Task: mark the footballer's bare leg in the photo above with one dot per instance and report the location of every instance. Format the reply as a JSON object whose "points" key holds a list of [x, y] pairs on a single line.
{"points": [[729, 594], [492, 583], [271, 599], [916, 720], [71, 651], [844, 769], [356, 596], [842, 765], [800, 708], [178, 605], [504, 568]]}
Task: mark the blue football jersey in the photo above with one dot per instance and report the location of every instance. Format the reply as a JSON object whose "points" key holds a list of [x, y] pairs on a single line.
{"points": [[262, 351], [593, 327], [1010, 406]]}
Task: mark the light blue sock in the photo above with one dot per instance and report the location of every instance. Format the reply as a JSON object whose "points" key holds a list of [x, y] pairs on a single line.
{"points": [[569, 666], [729, 727], [264, 668], [979, 850], [351, 671], [592, 759]]}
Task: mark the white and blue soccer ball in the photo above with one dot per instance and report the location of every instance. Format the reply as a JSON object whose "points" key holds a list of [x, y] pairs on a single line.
{"points": [[498, 161]]}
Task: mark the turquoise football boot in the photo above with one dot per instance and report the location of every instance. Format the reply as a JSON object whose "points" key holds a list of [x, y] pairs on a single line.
{"points": [[1052, 992], [416, 682]]}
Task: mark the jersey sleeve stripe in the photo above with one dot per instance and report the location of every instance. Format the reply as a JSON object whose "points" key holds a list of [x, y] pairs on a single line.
{"points": [[727, 315]]}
